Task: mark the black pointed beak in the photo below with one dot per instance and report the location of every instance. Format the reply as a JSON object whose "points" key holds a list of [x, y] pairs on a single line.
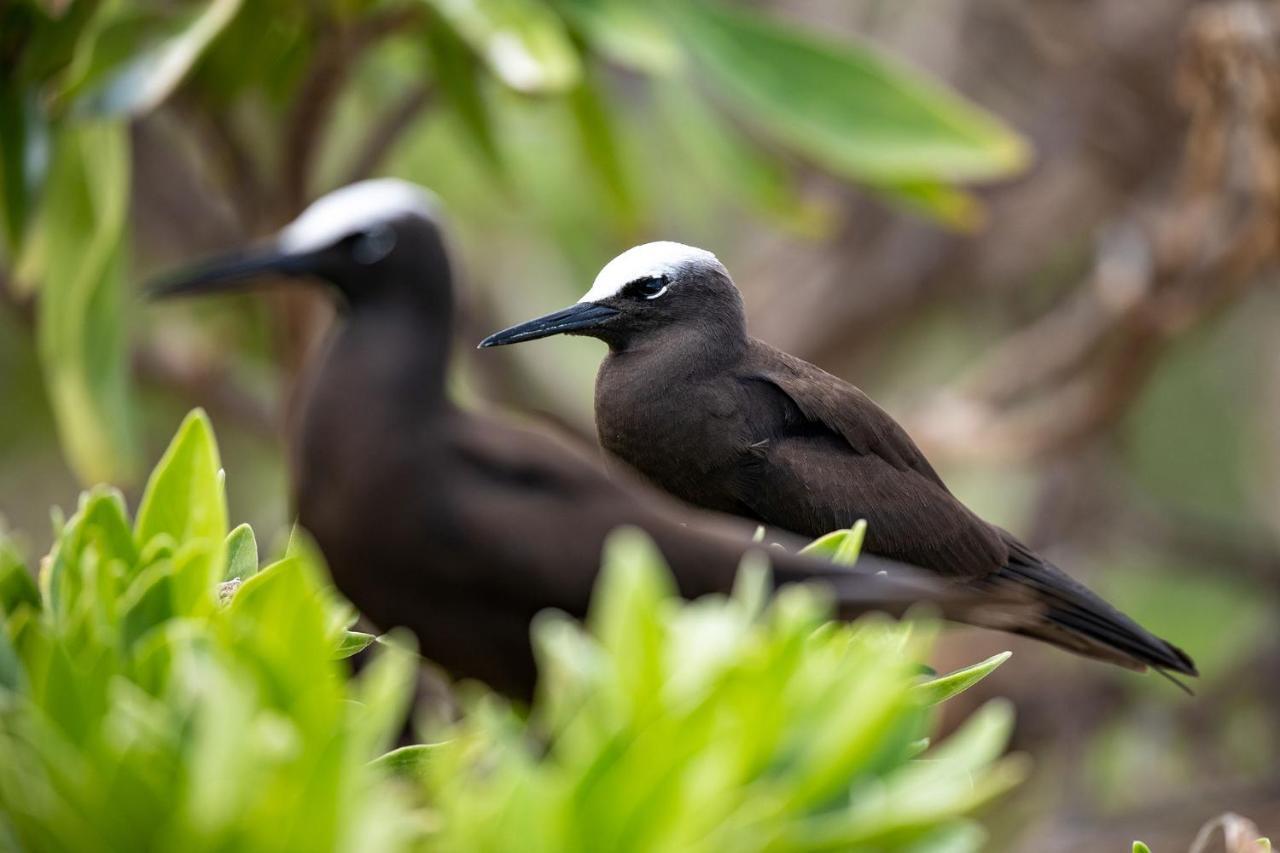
{"points": [[584, 315], [226, 272]]}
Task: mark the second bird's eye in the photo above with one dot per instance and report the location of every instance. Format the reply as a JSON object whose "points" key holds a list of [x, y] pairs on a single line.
{"points": [[370, 246], [649, 288]]}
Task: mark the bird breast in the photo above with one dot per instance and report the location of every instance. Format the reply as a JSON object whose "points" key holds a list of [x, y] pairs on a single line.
{"points": [[676, 429]]}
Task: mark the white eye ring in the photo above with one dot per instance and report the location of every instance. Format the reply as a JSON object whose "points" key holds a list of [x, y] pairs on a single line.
{"points": [[659, 293]]}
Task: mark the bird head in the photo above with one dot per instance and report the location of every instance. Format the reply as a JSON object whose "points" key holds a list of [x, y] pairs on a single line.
{"points": [[647, 290], [371, 240]]}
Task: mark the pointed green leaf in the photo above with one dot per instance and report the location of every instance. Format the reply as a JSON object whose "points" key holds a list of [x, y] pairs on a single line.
{"points": [[242, 554], [411, 761], [184, 498], [944, 687], [844, 104], [839, 546], [353, 642]]}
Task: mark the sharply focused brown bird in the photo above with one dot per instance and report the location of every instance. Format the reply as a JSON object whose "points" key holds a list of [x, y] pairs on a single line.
{"points": [[727, 422], [456, 526]]}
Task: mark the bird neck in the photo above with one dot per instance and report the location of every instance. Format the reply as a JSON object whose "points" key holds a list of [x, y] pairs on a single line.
{"points": [[710, 343], [397, 350]]}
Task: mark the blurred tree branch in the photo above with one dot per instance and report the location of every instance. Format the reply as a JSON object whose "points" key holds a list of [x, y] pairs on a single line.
{"points": [[1067, 376]]}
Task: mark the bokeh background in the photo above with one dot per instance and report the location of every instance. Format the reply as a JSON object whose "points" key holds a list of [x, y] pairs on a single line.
{"points": [[1056, 263]]}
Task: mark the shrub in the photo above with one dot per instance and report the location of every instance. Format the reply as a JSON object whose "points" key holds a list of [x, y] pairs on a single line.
{"points": [[150, 701]]}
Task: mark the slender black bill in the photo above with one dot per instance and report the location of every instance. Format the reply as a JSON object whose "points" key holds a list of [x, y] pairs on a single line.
{"points": [[227, 271], [583, 315]]}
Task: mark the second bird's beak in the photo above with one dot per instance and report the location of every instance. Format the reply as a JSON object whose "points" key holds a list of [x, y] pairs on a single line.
{"points": [[575, 318], [228, 271]]}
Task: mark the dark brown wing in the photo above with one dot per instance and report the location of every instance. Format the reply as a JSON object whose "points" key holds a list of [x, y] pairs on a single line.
{"points": [[829, 456], [555, 508]]}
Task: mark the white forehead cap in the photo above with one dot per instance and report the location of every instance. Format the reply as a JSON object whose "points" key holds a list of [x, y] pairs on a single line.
{"points": [[644, 261], [353, 208]]}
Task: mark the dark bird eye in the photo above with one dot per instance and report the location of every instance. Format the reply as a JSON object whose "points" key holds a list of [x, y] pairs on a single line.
{"points": [[649, 288], [374, 244]]}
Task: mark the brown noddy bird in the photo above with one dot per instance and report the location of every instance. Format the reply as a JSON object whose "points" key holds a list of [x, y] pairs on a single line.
{"points": [[724, 421], [457, 526]]}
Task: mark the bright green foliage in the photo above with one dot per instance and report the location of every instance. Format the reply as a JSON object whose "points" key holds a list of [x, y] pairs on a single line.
{"points": [[839, 546], [137, 714], [160, 692], [714, 726]]}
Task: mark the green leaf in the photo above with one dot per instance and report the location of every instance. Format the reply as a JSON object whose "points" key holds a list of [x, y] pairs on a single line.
{"points": [[626, 605], [383, 692], [522, 41], [148, 602], [603, 151], [411, 761], [952, 207], [24, 158], [1139, 847], [17, 586], [844, 104], [626, 32], [184, 498], [12, 676], [353, 642], [839, 546], [135, 59], [727, 159], [81, 330], [242, 554], [944, 687], [458, 74]]}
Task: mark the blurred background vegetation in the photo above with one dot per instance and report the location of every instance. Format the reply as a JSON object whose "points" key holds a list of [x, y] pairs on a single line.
{"points": [[1082, 338]]}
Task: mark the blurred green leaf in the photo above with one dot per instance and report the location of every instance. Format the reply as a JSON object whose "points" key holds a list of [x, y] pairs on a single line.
{"points": [[602, 149], [411, 761], [628, 33], [951, 206], [845, 105], [24, 158], [522, 41], [353, 642], [83, 344], [726, 159], [242, 554], [384, 691], [17, 586], [12, 678], [1139, 847], [944, 687], [135, 57], [458, 74], [839, 546], [184, 497]]}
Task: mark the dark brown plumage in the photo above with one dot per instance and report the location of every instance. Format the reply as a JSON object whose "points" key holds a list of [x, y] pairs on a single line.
{"points": [[727, 422], [457, 526]]}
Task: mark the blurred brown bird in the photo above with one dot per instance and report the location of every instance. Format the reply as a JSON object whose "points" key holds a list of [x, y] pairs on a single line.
{"points": [[727, 422], [457, 526]]}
